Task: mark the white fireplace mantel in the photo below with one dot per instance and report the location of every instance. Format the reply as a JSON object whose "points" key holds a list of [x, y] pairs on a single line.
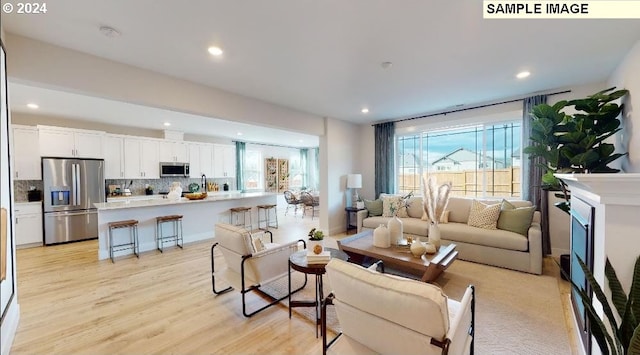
{"points": [[617, 189]]}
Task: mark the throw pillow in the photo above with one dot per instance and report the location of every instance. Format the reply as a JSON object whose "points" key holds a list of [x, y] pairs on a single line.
{"points": [[515, 219], [374, 207], [395, 201], [483, 216]]}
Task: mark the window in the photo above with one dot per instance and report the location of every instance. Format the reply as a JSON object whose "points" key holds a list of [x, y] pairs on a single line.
{"points": [[295, 171], [253, 176], [480, 160]]}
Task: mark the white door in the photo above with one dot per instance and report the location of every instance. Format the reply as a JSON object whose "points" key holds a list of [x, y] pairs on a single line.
{"points": [[206, 159], [132, 153], [113, 157], [149, 159], [56, 143], [230, 161], [194, 161], [88, 145], [26, 154]]}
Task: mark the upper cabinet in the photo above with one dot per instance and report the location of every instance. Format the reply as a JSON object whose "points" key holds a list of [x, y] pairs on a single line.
{"points": [[173, 151], [26, 155], [200, 160], [224, 160], [65, 142], [141, 158], [113, 148]]}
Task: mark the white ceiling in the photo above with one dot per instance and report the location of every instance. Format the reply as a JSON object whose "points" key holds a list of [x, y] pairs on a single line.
{"points": [[324, 57]]}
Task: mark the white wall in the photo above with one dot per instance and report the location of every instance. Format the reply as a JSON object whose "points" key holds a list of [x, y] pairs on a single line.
{"points": [[367, 162], [9, 306], [339, 156], [627, 76]]}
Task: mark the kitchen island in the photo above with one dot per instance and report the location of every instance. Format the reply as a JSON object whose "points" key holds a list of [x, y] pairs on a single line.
{"points": [[199, 217]]}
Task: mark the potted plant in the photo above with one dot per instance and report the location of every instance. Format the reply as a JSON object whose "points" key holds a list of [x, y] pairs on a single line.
{"points": [[316, 241], [575, 143]]}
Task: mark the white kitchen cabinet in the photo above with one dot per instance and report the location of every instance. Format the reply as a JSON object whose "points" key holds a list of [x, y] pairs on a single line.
{"points": [[66, 142], [26, 154], [200, 160], [172, 151], [141, 158], [224, 160], [28, 222], [113, 148]]}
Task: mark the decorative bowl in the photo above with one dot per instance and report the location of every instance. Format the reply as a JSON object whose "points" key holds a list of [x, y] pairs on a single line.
{"points": [[196, 195]]}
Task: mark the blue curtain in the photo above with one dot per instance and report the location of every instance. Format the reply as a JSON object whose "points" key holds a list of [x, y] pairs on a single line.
{"points": [[384, 158], [315, 166], [304, 167], [532, 172], [240, 159]]}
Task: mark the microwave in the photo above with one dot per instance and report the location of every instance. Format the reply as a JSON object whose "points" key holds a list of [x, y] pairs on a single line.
{"points": [[173, 169]]}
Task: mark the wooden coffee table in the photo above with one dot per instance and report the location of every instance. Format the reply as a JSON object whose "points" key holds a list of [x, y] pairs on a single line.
{"points": [[427, 268]]}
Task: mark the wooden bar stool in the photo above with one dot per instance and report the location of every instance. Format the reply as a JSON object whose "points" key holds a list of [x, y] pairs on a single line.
{"points": [[267, 216], [132, 225], [176, 224], [237, 211]]}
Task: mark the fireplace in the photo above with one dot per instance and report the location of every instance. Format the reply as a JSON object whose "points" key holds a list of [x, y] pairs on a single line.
{"points": [[582, 242]]}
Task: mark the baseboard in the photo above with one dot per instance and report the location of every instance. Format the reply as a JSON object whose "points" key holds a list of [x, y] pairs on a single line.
{"points": [[557, 252], [9, 327]]}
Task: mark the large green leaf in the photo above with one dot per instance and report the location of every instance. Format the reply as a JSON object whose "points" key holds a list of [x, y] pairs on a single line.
{"points": [[618, 296], [634, 344], [634, 293]]}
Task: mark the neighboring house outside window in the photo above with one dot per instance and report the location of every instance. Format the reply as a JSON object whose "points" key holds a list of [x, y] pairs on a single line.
{"points": [[253, 170], [480, 160]]}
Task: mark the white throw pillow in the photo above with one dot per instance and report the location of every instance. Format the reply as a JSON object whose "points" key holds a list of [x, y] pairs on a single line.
{"points": [[484, 216], [388, 201]]}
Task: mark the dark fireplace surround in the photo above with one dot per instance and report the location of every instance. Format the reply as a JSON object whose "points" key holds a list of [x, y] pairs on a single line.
{"points": [[582, 243]]}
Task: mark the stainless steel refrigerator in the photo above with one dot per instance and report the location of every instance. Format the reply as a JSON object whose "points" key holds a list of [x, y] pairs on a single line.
{"points": [[71, 187]]}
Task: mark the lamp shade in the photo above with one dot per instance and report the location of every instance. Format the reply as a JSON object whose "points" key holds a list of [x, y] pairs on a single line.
{"points": [[354, 181]]}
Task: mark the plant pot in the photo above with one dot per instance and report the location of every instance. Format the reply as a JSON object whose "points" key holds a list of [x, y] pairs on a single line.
{"points": [[395, 230], [381, 237], [315, 246]]}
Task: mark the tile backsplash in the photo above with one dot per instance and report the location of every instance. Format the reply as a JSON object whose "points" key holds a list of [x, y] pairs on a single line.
{"points": [[21, 187]]}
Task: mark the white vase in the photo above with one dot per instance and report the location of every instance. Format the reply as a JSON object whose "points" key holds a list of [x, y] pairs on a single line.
{"points": [[395, 230], [434, 235], [315, 246], [417, 248], [381, 237]]}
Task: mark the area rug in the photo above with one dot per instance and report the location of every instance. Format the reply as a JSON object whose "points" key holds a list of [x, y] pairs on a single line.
{"points": [[516, 313]]}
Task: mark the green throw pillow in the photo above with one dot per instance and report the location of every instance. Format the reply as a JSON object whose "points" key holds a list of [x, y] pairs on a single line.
{"points": [[374, 207], [515, 219]]}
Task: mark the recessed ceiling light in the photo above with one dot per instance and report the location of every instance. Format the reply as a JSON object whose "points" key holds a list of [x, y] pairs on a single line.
{"points": [[167, 124], [215, 51], [33, 106], [109, 31], [239, 133], [365, 110], [522, 74]]}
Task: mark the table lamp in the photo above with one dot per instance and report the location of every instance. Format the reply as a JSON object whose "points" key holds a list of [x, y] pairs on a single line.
{"points": [[354, 181]]}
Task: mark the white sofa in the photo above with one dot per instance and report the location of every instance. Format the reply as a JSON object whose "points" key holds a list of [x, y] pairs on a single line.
{"points": [[493, 247]]}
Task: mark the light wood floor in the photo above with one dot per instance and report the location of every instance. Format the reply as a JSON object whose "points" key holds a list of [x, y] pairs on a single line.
{"points": [[71, 303]]}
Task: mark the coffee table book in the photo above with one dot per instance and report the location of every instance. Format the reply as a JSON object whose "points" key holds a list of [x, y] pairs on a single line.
{"points": [[321, 258]]}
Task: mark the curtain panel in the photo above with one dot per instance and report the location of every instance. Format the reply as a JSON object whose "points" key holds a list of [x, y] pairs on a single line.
{"points": [[532, 171], [304, 167], [384, 158], [241, 148]]}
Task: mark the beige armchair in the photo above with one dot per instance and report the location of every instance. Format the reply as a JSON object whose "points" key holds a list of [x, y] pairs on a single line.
{"points": [[385, 314], [252, 259]]}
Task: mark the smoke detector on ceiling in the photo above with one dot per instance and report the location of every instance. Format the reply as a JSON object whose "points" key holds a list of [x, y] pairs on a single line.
{"points": [[109, 31]]}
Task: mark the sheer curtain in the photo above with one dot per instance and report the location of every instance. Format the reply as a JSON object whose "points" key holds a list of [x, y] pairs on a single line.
{"points": [[384, 174], [304, 167], [240, 159], [532, 171]]}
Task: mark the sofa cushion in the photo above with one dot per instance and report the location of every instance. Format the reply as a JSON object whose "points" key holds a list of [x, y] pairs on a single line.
{"points": [[374, 207], [483, 216], [515, 219], [459, 209], [395, 202], [415, 209], [409, 225], [461, 232]]}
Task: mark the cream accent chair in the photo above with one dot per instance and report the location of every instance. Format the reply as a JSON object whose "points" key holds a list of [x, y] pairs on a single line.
{"points": [[249, 266], [386, 314]]}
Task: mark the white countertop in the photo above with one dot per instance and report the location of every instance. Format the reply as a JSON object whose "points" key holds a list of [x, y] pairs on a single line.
{"points": [[155, 201]]}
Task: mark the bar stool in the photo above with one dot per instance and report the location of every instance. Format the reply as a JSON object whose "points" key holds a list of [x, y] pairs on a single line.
{"points": [[241, 210], [132, 225], [267, 216], [176, 224]]}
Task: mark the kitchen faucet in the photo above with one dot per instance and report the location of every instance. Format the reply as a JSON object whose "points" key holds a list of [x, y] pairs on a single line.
{"points": [[204, 182]]}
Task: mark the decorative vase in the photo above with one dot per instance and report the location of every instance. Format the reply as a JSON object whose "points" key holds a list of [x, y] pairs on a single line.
{"points": [[430, 248], [417, 248], [315, 246], [381, 237], [175, 192], [395, 230], [434, 235]]}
